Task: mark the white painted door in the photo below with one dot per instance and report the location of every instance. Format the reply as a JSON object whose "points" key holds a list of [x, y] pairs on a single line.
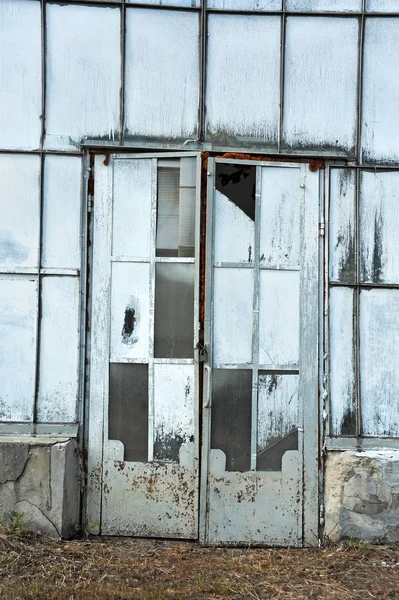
{"points": [[143, 439], [260, 415]]}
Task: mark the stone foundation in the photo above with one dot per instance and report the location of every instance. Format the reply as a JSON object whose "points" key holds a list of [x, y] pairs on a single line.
{"points": [[39, 477], [362, 495]]}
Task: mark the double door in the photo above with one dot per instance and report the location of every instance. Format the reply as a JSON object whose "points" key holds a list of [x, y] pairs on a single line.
{"points": [[203, 370]]}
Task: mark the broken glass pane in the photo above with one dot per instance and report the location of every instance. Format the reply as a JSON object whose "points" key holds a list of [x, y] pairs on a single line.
{"points": [[231, 416], [174, 310], [128, 409], [342, 233]]}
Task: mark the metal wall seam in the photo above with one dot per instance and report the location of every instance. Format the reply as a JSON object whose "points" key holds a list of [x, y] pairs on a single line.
{"points": [[282, 73], [154, 183], [357, 311], [123, 71], [358, 151]]}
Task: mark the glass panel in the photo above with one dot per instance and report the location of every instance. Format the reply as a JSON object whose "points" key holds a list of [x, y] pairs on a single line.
{"points": [[19, 209], [18, 299], [130, 298], [379, 359], [323, 5], [174, 311], [83, 55], [132, 208], [231, 416], [185, 3], [379, 225], [128, 409], [382, 6], [234, 213], [320, 55], [20, 75], [278, 415], [279, 318], [59, 342], [174, 406], [168, 212], [342, 233], [243, 80], [342, 362], [232, 316], [380, 113], [61, 212], [280, 212], [245, 4], [162, 80]]}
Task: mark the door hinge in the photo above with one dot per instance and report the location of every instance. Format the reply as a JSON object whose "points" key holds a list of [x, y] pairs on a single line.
{"points": [[321, 228]]}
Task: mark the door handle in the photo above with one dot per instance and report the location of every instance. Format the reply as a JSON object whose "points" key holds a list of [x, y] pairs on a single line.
{"points": [[207, 370]]}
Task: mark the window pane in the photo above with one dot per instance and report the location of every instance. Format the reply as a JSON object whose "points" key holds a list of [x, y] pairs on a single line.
{"points": [[130, 299], [379, 226], [19, 209], [168, 212], [187, 3], [278, 414], [59, 342], [231, 416], [18, 300], [61, 212], [321, 56], [83, 74], [128, 409], [245, 4], [382, 6], [174, 311], [232, 316], [379, 359], [342, 361], [162, 74], [279, 318], [342, 233], [324, 5], [243, 79], [174, 409], [132, 208]]}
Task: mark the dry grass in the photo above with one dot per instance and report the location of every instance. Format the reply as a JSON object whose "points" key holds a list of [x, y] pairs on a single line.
{"points": [[122, 569]]}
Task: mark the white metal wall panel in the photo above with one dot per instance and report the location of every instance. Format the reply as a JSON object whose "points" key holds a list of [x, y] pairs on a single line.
{"points": [[280, 214], [59, 340], [379, 226], [243, 78], [342, 361], [234, 231], [380, 114], [390, 6], [379, 359], [20, 74], [131, 208], [232, 316], [279, 318], [83, 74], [19, 209], [323, 5], [130, 300], [320, 95], [268, 5], [342, 228], [162, 73], [61, 212], [18, 311]]}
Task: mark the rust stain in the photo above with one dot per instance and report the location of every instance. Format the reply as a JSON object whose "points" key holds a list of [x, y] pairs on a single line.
{"points": [[106, 159], [316, 164]]}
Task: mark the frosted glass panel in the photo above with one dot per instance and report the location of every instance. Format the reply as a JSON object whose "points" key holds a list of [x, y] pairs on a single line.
{"points": [[61, 212], [185, 3], [379, 359], [20, 74], [320, 83], [279, 318], [18, 299], [232, 316], [174, 409], [342, 361], [19, 210], [323, 5], [83, 74], [162, 73], [342, 233], [234, 231], [132, 208], [380, 114], [242, 92], [130, 311], [280, 213], [59, 342], [382, 6], [245, 4]]}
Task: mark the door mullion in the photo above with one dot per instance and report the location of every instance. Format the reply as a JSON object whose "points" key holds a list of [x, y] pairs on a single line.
{"points": [[152, 310]]}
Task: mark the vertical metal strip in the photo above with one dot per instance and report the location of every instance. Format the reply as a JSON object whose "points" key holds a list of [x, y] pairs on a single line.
{"points": [[255, 321], [282, 74], [152, 311], [203, 42], [197, 279], [360, 85], [123, 71], [357, 311], [325, 333]]}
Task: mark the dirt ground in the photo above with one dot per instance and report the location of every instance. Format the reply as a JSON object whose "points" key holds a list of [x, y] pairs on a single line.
{"points": [[122, 568]]}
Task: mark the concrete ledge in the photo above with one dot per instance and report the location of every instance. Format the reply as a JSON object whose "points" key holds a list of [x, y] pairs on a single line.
{"points": [[362, 495], [40, 478]]}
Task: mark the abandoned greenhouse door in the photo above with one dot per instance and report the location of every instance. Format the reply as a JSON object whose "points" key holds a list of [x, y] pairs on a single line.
{"points": [[260, 410], [143, 438]]}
